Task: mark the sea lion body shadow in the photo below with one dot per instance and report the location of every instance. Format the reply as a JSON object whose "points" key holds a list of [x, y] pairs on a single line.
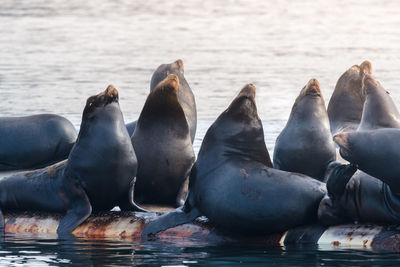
{"points": [[233, 179], [305, 144], [98, 175], [34, 142]]}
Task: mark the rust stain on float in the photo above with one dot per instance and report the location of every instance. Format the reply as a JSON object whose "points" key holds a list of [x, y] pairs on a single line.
{"points": [[129, 225], [350, 235], [110, 225], [31, 223]]}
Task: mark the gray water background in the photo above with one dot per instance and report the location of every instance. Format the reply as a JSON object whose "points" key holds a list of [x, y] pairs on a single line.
{"points": [[54, 54]]}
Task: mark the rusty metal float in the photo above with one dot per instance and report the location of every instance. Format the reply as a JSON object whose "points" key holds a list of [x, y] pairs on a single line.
{"points": [[129, 225]]}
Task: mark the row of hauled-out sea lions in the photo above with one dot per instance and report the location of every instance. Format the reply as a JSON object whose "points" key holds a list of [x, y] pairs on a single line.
{"points": [[233, 182]]}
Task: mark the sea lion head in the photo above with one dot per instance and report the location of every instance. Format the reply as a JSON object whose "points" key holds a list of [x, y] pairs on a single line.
{"points": [[96, 102], [164, 70], [170, 84], [366, 67], [369, 84], [309, 102], [243, 107], [163, 108], [343, 140], [311, 89], [351, 80], [239, 130]]}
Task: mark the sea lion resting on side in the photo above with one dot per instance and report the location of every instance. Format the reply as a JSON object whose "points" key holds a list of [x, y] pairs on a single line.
{"points": [[305, 144], [372, 194], [98, 175], [233, 182], [36, 141], [185, 95]]}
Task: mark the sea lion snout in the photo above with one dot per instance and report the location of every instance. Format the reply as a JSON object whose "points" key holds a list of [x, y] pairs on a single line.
{"points": [[342, 139], [248, 90], [112, 92], [366, 67], [170, 82], [369, 83], [179, 62], [313, 87]]}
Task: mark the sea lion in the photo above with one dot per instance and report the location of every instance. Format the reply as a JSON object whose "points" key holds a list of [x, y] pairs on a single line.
{"points": [[305, 144], [376, 152], [357, 197], [36, 141], [367, 195], [98, 174], [346, 104], [163, 146], [372, 194], [379, 110], [185, 95], [233, 182]]}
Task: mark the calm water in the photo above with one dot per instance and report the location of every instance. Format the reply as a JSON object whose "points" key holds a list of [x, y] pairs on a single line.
{"points": [[54, 54]]}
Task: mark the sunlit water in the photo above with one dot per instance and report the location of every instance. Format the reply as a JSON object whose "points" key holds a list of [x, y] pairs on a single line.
{"points": [[54, 54]]}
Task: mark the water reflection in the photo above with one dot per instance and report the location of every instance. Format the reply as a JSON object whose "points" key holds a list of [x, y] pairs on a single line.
{"points": [[45, 250]]}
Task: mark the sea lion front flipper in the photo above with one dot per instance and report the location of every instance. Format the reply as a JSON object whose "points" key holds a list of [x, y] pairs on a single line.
{"points": [[79, 209], [338, 179], [330, 213], [183, 192], [128, 203], [171, 219]]}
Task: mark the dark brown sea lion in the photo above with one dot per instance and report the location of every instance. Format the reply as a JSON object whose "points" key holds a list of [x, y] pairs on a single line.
{"points": [[346, 104], [163, 146], [185, 95], [305, 144], [233, 182], [98, 175], [36, 141]]}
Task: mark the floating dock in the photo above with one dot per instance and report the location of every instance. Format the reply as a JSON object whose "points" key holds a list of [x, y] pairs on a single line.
{"points": [[129, 225]]}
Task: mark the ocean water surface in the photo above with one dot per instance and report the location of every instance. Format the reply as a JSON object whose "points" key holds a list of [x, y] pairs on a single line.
{"points": [[54, 54]]}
